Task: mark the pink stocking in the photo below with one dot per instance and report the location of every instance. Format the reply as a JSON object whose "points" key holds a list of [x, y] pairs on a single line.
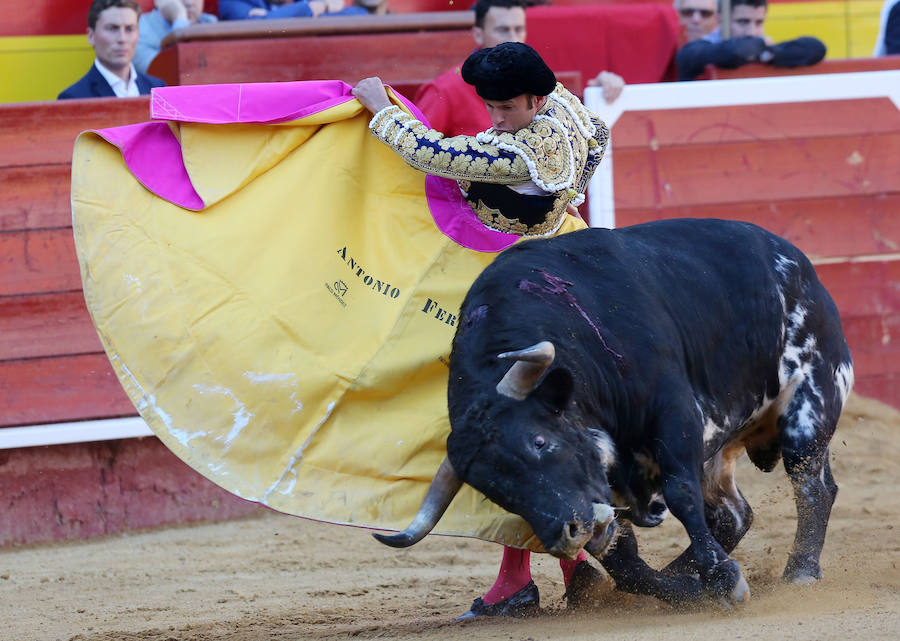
{"points": [[515, 573], [568, 567]]}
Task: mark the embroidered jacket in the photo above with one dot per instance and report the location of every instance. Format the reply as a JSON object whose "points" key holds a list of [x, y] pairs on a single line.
{"points": [[558, 152]]}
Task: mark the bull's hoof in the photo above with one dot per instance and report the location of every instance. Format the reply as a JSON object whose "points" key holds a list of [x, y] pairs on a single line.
{"points": [[681, 590], [800, 571], [739, 595], [586, 587], [525, 602], [726, 584]]}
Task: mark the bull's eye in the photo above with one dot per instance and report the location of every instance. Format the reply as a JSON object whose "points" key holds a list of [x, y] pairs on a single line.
{"points": [[539, 442]]}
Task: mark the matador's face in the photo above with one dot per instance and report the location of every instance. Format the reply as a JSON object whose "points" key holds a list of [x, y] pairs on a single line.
{"points": [[514, 114]]}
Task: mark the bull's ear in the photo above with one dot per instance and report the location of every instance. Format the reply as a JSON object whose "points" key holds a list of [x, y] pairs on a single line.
{"points": [[556, 389]]}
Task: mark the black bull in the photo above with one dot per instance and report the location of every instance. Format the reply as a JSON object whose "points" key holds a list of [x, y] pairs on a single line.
{"points": [[645, 360]]}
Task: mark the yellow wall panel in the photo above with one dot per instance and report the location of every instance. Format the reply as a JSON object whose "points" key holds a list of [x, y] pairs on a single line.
{"points": [[39, 67], [848, 28]]}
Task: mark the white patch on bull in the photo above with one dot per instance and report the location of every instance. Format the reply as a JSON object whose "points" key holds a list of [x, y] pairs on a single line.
{"points": [[784, 265], [289, 468], [805, 420], [844, 378], [804, 424], [604, 445], [798, 361], [710, 431], [240, 415]]}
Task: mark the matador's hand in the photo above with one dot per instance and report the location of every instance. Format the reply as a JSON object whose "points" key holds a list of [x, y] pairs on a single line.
{"points": [[370, 92]]}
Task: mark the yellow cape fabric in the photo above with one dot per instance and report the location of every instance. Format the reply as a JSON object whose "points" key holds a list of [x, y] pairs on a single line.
{"points": [[289, 342]]}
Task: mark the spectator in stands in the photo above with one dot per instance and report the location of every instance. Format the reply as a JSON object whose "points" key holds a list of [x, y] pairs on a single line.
{"points": [[167, 15], [452, 106], [888, 41], [113, 33], [697, 18], [748, 43], [254, 9]]}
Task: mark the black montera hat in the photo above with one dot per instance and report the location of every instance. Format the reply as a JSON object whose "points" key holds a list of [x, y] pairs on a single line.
{"points": [[508, 70]]}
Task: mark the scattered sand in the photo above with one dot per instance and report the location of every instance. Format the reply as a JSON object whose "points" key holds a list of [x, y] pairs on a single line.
{"points": [[278, 578]]}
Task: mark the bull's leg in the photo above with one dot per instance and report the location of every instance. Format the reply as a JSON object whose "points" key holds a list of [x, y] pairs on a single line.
{"points": [[634, 576], [680, 456], [814, 493], [727, 513], [806, 428]]}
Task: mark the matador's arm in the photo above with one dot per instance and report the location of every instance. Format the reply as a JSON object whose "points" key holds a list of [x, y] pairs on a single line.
{"points": [[457, 157]]}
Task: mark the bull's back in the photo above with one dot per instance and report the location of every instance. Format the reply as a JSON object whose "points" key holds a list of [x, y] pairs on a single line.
{"points": [[707, 297], [693, 271]]}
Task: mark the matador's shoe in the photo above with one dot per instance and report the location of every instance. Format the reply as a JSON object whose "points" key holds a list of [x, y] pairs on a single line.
{"points": [[525, 602]]}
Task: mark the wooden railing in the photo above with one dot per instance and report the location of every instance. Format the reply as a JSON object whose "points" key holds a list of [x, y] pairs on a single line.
{"points": [[406, 50], [848, 65], [398, 48]]}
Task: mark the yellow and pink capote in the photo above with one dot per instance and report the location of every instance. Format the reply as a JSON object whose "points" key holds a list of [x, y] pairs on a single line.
{"points": [[277, 293]]}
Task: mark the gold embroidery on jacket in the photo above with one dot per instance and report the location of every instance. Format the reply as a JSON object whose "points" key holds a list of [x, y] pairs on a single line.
{"points": [[494, 218], [558, 151]]}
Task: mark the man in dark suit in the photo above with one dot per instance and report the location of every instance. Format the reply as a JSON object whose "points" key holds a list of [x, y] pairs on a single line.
{"points": [[113, 33]]}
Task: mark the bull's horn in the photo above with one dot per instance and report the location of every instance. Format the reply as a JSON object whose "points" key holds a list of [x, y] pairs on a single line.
{"points": [[530, 365], [443, 488]]}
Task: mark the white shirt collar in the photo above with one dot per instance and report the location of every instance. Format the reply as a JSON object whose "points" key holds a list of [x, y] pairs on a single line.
{"points": [[119, 86]]}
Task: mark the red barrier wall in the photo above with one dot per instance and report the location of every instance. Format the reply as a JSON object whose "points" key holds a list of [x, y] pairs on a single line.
{"points": [[52, 367], [93, 489], [823, 175]]}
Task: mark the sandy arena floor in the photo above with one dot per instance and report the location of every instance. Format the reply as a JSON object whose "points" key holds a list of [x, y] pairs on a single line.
{"points": [[278, 578]]}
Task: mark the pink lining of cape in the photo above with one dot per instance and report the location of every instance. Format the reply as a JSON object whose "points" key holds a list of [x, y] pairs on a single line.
{"points": [[153, 153]]}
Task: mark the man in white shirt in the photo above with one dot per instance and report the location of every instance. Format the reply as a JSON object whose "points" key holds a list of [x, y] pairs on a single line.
{"points": [[166, 17], [113, 33]]}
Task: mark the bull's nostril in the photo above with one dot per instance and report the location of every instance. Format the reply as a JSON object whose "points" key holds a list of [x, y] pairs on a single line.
{"points": [[573, 529]]}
